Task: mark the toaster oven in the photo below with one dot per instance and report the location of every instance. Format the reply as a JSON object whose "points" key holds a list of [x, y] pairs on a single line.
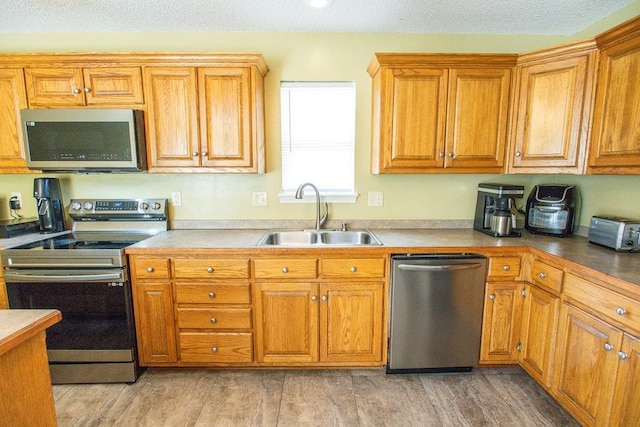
{"points": [[616, 233]]}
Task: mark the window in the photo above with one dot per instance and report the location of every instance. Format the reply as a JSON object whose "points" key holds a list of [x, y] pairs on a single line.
{"points": [[318, 138]]}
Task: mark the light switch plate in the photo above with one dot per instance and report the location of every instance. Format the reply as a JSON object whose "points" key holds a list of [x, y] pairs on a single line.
{"points": [[260, 198], [376, 198]]}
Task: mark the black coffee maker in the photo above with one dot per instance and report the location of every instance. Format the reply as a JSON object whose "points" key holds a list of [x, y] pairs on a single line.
{"points": [[50, 206], [494, 209]]}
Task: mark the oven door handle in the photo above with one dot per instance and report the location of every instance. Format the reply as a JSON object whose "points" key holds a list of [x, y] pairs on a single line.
{"points": [[20, 276]]}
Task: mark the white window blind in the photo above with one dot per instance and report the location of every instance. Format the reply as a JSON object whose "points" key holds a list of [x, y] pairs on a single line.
{"points": [[318, 136]]}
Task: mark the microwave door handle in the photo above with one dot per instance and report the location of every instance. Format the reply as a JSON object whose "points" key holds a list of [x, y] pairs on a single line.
{"points": [[18, 276]]}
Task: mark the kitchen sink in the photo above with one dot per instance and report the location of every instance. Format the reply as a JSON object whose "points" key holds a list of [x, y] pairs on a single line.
{"points": [[319, 238]]}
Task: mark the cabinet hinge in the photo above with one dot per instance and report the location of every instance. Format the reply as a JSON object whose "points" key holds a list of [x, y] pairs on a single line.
{"points": [[519, 346]]}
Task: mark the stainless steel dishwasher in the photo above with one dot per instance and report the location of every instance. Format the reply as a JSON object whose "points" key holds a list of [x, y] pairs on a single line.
{"points": [[435, 317]]}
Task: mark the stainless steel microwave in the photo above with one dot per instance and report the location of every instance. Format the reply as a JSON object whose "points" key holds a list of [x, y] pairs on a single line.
{"points": [[84, 140]]}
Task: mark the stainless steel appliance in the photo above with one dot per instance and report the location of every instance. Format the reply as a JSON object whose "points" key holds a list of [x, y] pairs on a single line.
{"points": [[495, 205], [617, 233], [84, 273], [50, 205], [435, 317], [552, 209], [84, 139]]}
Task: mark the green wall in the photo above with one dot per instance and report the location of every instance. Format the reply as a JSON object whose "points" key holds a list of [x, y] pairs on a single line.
{"points": [[314, 56]]}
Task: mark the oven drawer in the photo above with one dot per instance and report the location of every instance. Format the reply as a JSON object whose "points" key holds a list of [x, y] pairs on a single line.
{"points": [[214, 318], [218, 347], [211, 268], [215, 293], [145, 268]]}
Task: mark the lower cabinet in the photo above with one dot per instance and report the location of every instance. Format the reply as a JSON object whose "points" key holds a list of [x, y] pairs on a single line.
{"points": [[155, 329], [501, 323], [626, 395]]}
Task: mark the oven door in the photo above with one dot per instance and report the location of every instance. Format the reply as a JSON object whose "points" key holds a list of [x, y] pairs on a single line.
{"points": [[97, 311]]}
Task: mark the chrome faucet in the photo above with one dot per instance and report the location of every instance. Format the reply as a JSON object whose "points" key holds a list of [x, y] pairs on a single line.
{"points": [[319, 220]]}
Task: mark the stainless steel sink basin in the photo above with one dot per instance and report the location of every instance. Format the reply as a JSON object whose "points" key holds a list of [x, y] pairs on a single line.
{"points": [[319, 238]]}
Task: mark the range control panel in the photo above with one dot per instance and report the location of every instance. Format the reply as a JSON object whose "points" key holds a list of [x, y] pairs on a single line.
{"points": [[88, 209]]}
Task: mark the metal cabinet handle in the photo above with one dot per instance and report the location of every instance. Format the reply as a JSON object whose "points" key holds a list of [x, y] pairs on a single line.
{"points": [[441, 154], [622, 355], [212, 295], [608, 347], [324, 298], [149, 269], [194, 154], [314, 298], [214, 349], [621, 311], [506, 268], [518, 154], [205, 153], [451, 155], [542, 275], [492, 297], [209, 269], [213, 320], [285, 270], [76, 90], [353, 269], [87, 90]]}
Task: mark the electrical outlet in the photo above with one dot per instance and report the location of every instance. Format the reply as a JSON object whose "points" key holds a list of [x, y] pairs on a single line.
{"points": [[176, 198], [260, 198], [18, 197], [376, 198]]}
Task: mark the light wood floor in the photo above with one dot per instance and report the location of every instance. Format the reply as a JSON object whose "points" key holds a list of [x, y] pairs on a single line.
{"points": [[485, 397]]}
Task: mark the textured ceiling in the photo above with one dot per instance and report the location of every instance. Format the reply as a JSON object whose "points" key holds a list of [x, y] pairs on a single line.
{"points": [[554, 17]]}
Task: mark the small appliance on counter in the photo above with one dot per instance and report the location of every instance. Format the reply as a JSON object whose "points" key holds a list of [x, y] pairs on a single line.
{"points": [[17, 226], [552, 209], [620, 234], [50, 206], [495, 209]]}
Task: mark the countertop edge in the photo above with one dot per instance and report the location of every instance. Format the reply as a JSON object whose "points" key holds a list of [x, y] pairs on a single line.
{"points": [[42, 319]]}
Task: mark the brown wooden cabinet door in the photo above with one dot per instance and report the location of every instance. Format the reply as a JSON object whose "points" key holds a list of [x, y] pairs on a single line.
{"points": [[155, 326], [13, 98], [413, 117], [113, 86], [54, 87], [626, 399], [351, 322], [551, 115], [615, 146], [225, 117], [586, 365], [539, 325], [172, 120], [501, 323], [286, 322], [478, 110]]}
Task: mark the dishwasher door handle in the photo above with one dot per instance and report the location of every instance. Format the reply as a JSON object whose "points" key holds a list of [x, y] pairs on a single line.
{"points": [[449, 267]]}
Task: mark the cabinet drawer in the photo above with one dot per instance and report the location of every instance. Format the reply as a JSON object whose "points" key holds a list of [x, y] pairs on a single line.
{"points": [[215, 293], [214, 318], [211, 268], [504, 266], [352, 267], [221, 347], [294, 268], [150, 268], [547, 276], [613, 306]]}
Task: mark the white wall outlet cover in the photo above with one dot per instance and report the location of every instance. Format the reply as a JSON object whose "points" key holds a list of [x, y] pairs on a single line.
{"points": [[375, 198], [260, 198], [176, 198]]}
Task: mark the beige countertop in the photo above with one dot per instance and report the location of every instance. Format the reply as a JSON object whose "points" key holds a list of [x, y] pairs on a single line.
{"points": [[16, 326], [576, 249]]}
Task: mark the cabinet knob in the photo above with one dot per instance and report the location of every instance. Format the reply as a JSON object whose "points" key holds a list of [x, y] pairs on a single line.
{"points": [[76, 90], [353, 269], [149, 269], [87, 90], [209, 269], [518, 154], [212, 295], [285, 270], [314, 298], [194, 154], [451, 155], [205, 153], [324, 298], [214, 349], [608, 347], [213, 320], [542, 275], [621, 311], [492, 297], [622, 355], [506, 268], [441, 154]]}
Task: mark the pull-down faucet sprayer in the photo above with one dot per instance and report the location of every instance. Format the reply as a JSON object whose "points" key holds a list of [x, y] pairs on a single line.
{"points": [[319, 220]]}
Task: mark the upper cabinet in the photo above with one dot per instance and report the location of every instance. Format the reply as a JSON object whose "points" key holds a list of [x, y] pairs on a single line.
{"points": [[615, 143], [552, 107], [77, 87], [12, 99], [205, 119], [440, 113]]}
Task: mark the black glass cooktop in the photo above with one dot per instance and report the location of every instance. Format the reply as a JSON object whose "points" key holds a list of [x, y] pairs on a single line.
{"points": [[86, 241]]}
